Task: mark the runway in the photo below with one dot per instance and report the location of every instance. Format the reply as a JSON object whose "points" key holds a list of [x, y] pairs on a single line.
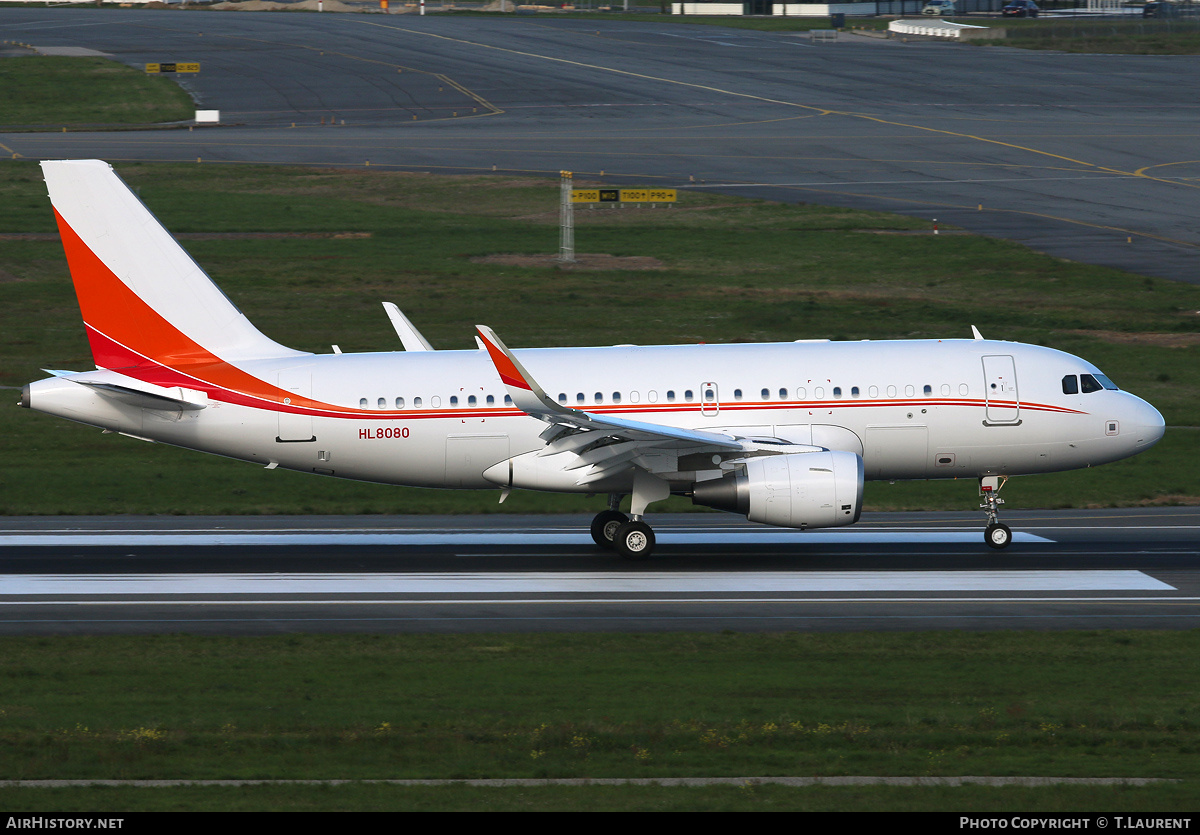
{"points": [[1087, 157], [1082, 569]]}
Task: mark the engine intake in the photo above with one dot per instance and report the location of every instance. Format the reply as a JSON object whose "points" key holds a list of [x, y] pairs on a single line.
{"points": [[796, 490]]}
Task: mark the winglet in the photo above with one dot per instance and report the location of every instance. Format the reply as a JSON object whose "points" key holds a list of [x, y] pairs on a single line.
{"points": [[529, 397], [526, 394], [410, 337]]}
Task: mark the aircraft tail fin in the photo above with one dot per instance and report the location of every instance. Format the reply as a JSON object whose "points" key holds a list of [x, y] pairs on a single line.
{"points": [[144, 300]]}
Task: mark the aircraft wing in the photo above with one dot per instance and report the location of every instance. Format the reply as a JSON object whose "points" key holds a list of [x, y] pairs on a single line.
{"points": [[529, 397]]}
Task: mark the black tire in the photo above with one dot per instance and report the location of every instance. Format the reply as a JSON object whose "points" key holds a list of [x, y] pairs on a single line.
{"points": [[997, 536], [604, 527], [634, 541]]}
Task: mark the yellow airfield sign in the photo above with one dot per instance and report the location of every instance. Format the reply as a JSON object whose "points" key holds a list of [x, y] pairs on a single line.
{"points": [[173, 67], [623, 195]]}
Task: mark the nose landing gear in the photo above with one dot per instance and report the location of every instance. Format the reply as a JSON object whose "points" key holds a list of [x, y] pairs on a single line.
{"points": [[995, 534]]}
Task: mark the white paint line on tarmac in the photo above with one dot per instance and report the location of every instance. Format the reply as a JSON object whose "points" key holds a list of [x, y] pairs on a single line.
{"points": [[608, 582]]}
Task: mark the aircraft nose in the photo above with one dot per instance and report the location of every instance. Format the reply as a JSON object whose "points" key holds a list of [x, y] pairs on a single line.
{"points": [[1148, 425]]}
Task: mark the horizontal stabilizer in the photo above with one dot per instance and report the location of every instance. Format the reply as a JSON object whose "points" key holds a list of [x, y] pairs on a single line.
{"points": [[144, 395]]}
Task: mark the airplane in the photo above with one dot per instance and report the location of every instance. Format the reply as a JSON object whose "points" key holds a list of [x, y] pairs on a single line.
{"points": [[784, 434]]}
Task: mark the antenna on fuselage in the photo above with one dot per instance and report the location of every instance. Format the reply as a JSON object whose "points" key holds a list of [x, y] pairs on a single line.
{"points": [[976, 333]]}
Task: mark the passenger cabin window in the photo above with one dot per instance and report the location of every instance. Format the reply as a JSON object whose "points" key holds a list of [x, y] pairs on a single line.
{"points": [[783, 394], [737, 394], [837, 392], [562, 398], [928, 389], [362, 403], [471, 401], [616, 397], [454, 401], [399, 402], [417, 403], [381, 402], [687, 395], [766, 394]]}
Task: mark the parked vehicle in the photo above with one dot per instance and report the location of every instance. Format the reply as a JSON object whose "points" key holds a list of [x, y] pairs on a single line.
{"points": [[1160, 9], [944, 8], [1020, 8]]}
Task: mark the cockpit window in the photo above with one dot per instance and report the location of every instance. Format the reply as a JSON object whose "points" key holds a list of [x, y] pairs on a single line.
{"points": [[1095, 382], [1090, 382]]}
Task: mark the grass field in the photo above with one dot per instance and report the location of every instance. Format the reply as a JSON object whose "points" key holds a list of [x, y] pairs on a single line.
{"points": [[51, 92], [335, 243], [1079, 704]]}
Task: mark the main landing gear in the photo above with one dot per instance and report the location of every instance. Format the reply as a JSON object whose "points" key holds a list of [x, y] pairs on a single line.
{"points": [[632, 538], [995, 534]]}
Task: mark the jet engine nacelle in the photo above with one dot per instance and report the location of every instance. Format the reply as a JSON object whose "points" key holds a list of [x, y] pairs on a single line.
{"points": [[796, 490]]}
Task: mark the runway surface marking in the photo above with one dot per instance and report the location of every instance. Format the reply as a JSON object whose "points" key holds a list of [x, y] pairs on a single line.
{"points": [[602, 582], [492, 537]]}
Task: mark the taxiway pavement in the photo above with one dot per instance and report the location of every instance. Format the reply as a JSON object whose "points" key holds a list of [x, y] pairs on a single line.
{"points": [[1088, 157]]}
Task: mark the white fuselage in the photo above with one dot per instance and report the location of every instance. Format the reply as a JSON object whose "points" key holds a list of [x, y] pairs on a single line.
{"points": [[911, 409]]}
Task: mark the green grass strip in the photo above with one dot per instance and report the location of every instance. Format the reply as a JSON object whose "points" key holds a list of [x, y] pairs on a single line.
{"points": [[49, 92], [1065, 704]]}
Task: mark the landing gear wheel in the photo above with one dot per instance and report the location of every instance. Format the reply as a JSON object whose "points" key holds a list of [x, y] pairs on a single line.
{"points": [[604, 527], [634, 540], [997, 535]]}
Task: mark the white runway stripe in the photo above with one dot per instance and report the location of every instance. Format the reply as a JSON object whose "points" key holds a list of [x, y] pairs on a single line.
{"points": [[614, 582]]}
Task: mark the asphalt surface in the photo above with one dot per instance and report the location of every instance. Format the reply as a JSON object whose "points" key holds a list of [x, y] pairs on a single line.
{"points": [[1088, 157], [1129, 569]]}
